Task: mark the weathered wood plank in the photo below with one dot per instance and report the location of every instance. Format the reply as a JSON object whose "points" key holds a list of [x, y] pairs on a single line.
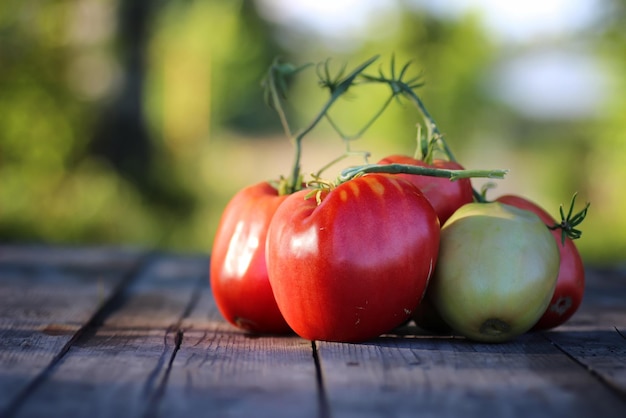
{"points": [[163, 294], [594, 336], [69, 258], [47, 295], [222, 371], [447, 377], [115, 367], [602, 352], [132, 365], [160, 348], [603, 303], [542, 374], [230, 374]]}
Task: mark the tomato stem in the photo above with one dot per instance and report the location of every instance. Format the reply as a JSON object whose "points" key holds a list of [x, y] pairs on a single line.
{"points": [[339, 88], [481, 197], [434, 136], [275, 89], [275, 85], [360, 133], [434, 140], [353, 172], [346, 154], [400, 87]]}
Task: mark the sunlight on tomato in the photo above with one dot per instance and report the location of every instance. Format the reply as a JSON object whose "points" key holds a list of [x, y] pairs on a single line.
{"points": [[238, 273], [355, 265]]}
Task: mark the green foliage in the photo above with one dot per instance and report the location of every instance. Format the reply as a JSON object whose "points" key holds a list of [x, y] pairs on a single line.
{"points": [[63, 67]]}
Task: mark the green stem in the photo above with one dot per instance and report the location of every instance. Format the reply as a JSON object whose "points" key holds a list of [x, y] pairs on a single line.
{"points": [[347, 139], [275, 86], [360, 133], [341, 88], [346, 154], [399, 86], [353, 172], [279, 107], [431, 126]]}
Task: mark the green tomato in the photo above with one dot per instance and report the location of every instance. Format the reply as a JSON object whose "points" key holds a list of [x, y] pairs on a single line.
{"points": [[496, 272]]}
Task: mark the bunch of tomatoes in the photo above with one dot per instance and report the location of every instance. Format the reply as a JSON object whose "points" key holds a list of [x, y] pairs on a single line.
{"points": [[405, 239]]}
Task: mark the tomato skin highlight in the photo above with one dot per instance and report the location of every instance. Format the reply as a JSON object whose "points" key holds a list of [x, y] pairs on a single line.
{"points": [[496, 272], [238, 271], [444, 195], [356, 265], [570, 286]]}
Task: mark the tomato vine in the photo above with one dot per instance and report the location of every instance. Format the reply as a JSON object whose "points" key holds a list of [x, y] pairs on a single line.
{"points": [[337, 85], [406, 88], [275, 85], [353, 172]]}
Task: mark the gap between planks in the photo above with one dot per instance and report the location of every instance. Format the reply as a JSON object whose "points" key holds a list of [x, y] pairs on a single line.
{"points": [[87, 330], [158, 393], [613, 386], [322, 398]]}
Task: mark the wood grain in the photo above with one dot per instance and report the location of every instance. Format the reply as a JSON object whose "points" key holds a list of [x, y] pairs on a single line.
{"points": [[100, 332], [46, 298], [115, 367], [577, 370], [594, 337], [226, 372], [449, 377]]}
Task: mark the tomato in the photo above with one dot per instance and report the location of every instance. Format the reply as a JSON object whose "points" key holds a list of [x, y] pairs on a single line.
{"points": [[570, 285], [427, 318], [496, 272], [356, 264], [446, 196], [238, 273]]}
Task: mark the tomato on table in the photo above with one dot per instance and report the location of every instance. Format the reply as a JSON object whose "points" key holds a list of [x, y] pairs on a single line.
{"points": [[352, 263], [496, 272], [570, 285], [238, 272]]}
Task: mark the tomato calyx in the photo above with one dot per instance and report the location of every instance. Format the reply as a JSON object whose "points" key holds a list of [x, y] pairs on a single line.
{"points": [[318, 186], [569, 223], [283, 185]]}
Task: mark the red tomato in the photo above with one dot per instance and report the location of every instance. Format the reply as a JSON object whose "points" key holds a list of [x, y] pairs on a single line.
{"points": [[355, 265], [571, 280], [428, 318], [238, 271], [446, 196]]}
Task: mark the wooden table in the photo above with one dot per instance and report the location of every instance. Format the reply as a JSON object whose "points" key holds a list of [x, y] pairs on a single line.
{"points": [[108, 332]]}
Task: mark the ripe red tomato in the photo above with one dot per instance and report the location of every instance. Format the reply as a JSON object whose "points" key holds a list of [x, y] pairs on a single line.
{"points": [[355, 265], [570, 284], [446, 196], [238, 277]]}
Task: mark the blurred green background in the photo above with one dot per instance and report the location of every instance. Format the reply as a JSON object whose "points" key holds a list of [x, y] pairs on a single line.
{"points": [[134, 122]]}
